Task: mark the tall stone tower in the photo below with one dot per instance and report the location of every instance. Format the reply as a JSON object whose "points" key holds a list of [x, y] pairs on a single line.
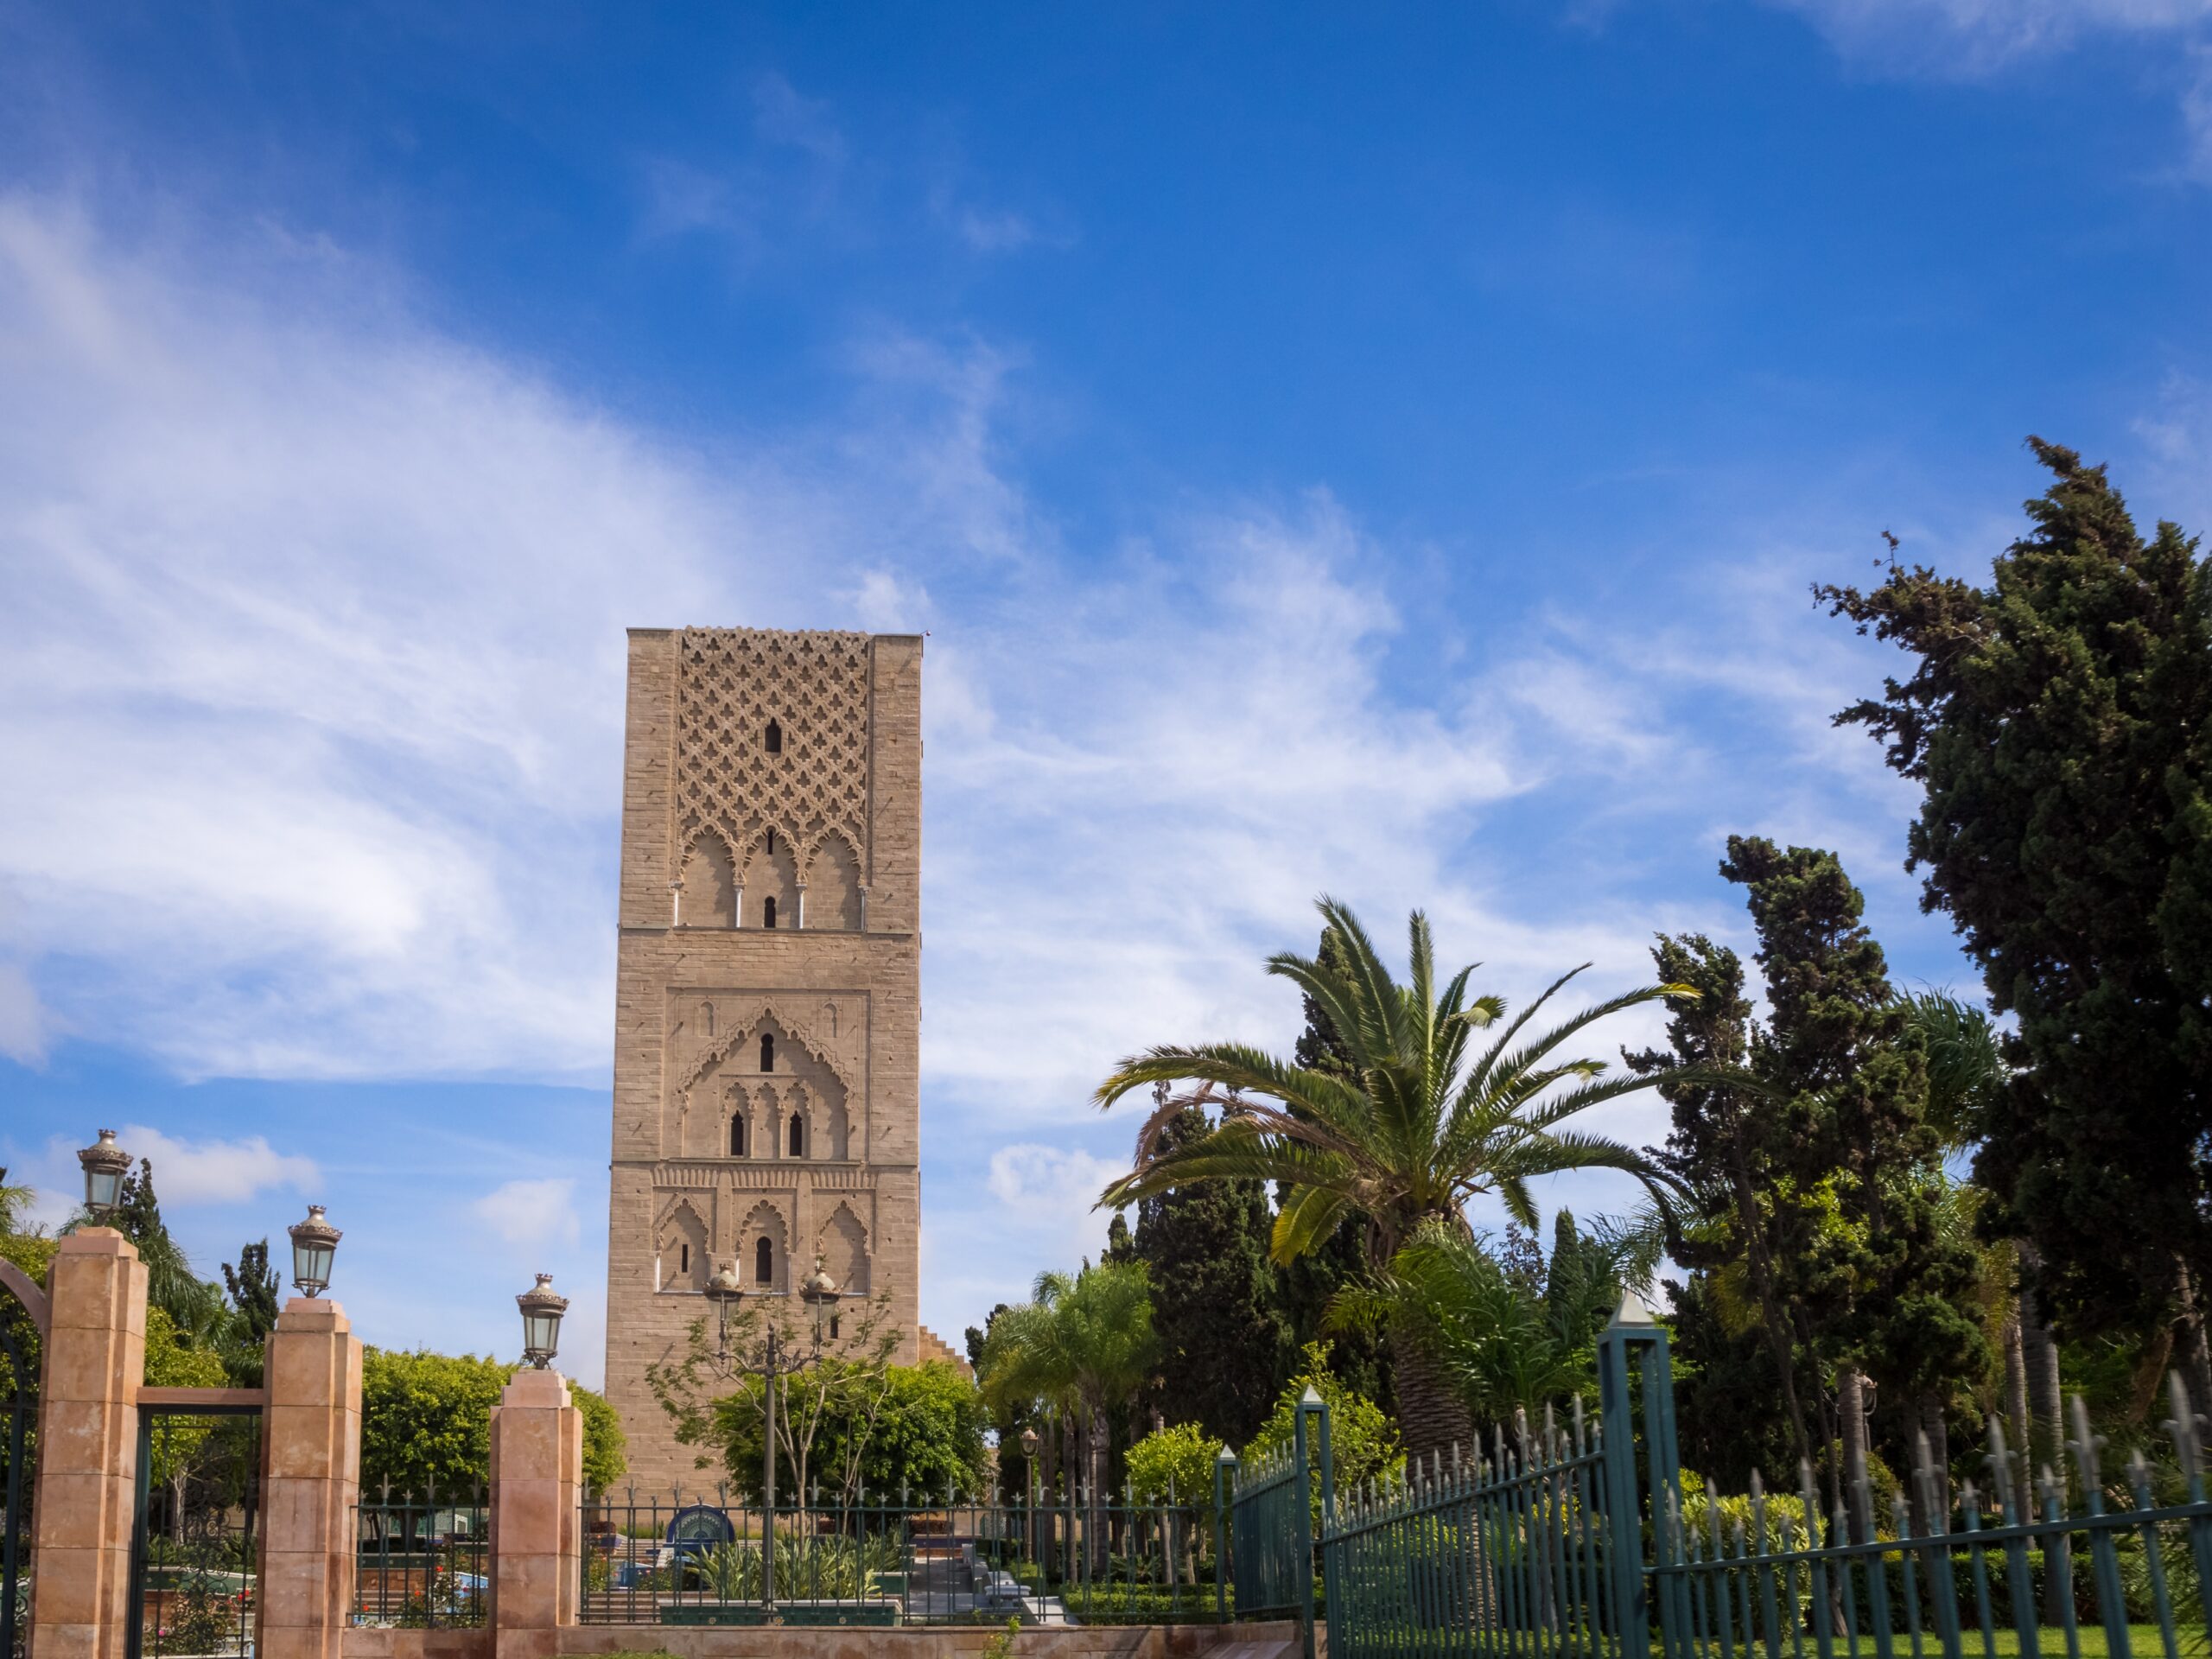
{"points": [[768, 1012]]}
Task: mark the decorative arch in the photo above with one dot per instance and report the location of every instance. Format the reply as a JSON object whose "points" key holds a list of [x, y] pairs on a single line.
{"points": [[710, 882], [736, 1031], [843, 1244], [764, 1225], [771, 876], [833, 884], [680, 1258]]}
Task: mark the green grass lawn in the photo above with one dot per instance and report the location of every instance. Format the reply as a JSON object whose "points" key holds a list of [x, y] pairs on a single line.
{"points": [[2143, 1643]]}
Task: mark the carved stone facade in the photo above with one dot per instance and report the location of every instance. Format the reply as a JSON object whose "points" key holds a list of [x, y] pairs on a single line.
{"points": [[767, 1012]]}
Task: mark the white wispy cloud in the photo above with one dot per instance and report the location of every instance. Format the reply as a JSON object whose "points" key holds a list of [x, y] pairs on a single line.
{"points": [[215, 1172], [526, 1214], [1967, 38]]}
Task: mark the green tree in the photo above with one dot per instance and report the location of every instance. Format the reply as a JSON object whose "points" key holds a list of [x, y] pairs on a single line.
{"points": [[1363, 1443], [915, 1428], [2056, 720], [1818, 1175], [1174, 1464], [1082, 1346], [1505, 1340], [1306, 1287], [1223, 1337], [1422, 1127], [426, 1422]]}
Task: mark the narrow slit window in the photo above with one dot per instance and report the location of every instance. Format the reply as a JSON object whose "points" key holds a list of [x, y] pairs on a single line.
{"points": [[685, 1265], [772, 844], [833, 1327], [737, 1137], [767, 913], [799, 1135], [775, 738], [764, 1263], [767, 1051]]}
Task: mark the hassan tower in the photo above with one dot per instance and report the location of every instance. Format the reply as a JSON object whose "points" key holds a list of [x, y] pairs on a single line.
{"points": [[767, 994]]}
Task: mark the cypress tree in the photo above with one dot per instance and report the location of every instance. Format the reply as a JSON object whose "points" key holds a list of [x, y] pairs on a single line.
{"points": [[1819, 1174], [1361, 1358], [1225, 1344], [2056, 720]]}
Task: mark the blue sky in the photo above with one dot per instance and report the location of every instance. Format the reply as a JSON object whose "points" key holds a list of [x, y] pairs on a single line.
{"points": [[1378, 450]]}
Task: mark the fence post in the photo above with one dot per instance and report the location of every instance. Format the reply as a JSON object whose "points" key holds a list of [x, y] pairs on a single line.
{"points": [[313, 1441], [537, 1495], [1633, 1326], [94, 1360], [1224, 1474]]}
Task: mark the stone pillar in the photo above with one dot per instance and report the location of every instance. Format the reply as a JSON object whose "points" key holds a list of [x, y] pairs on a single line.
{"points": [[312, 1437], [88, 1448], [538, 1472]]}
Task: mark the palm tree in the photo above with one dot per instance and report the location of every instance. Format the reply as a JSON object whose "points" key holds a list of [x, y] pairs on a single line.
{"points": [[1083, 1346], [1507, 1344], [1418, 1128]]}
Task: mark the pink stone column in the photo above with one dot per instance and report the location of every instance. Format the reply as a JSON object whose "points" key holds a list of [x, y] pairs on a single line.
{"points": [[312, 1440], [88, 1447], [537, 1470]]}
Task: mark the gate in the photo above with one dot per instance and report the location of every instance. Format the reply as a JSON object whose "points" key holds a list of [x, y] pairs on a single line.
{"points": [[194, 1548], [1271, 1508]]}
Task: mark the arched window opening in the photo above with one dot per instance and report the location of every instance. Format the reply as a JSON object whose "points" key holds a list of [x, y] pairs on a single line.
{"points": [[737, 1137], [764, 1263], [775, 737], [799, 1135], [833, 1327], [767, 1051], [767, 913], [771, 841]]}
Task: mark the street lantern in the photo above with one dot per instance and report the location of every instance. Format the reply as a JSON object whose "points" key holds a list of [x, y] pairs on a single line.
{"points": [[542, 1308], [106, 1165], [314, 1242], [724, 1289], [1029, 1442], [820, 1293]]}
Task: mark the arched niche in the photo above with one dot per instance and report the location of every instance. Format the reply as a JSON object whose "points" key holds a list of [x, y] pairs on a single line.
{"points": [[843, 1244], [833, 887], [680, 1250], [771, 874], [709, 883]]}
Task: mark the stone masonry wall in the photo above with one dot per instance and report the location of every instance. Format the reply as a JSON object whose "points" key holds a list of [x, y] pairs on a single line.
{"points": [[841, 1006]]}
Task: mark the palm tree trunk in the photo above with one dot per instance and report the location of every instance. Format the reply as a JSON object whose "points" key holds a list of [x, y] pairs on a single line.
{"points": [[1850, 1426], [1432, 1417], [2195, 1360], [2016, 1375], [1094, 1526], [1935, 1425]]}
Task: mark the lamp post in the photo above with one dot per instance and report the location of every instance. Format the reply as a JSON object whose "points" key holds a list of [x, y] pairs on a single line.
{"points": [[105, 1164], [771, 1360], [314, 1242], [1029, 1465], [541, 1308]]}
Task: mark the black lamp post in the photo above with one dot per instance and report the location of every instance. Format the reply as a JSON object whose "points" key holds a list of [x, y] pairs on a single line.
{"points": [[770, 1360], [542, 1308], [106, 1165], [314, 1242]]}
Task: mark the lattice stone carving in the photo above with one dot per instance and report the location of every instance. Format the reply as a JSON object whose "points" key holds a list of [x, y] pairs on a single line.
{"points": [[730, 683]]}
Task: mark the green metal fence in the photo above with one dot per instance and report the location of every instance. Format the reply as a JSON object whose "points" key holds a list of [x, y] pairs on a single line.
{"points": [[1057, 1558], [1582, 1538], [1506, 1551], [422, 1560], [1268, 1506]]}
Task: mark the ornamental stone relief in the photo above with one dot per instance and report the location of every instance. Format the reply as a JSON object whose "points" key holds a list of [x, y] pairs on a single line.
{"points": [[807, 778]]}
